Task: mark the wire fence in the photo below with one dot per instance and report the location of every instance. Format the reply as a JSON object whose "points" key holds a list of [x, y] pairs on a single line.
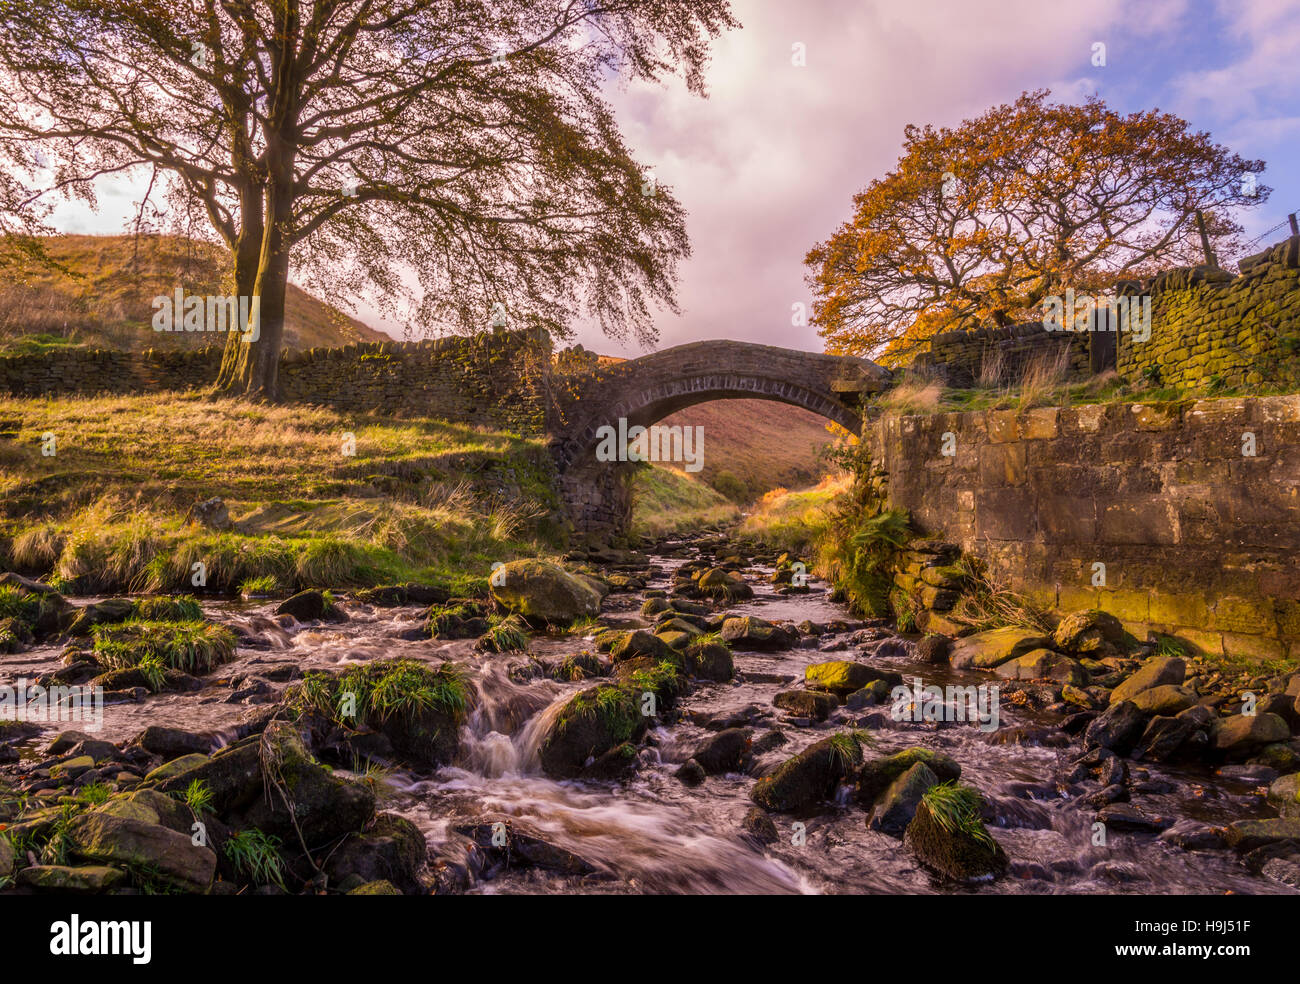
{"points": [[1290, 220]]}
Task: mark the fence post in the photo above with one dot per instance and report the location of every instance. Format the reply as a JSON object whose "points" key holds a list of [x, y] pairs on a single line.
{"points": [[1295, 229]]}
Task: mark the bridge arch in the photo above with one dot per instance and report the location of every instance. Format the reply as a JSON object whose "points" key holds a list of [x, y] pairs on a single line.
{"points": [[643, 391]]}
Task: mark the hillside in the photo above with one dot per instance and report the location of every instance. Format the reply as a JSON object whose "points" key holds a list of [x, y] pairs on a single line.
{"points": [[751, 446], [100, 295]]}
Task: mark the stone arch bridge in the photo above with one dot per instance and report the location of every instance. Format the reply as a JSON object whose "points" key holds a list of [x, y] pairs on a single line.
{"points": [[643, 391]]}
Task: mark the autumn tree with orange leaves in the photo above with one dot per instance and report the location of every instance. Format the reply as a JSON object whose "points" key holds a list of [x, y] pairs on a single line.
{"points": [[976, 225]]}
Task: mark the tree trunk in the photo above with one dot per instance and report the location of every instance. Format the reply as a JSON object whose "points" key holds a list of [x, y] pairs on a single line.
{"points": [[248, 251], [254, 363]]}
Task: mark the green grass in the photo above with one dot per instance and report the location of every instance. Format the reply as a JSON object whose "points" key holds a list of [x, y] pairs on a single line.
{"points": [[846, 748], [956, 808], [192, 647], [666, 501], [421, 500], [510, 634], [261, 584], [256, 856], [178, 609], [198, 796], [383, 689], [793, 521], [614, 707]]}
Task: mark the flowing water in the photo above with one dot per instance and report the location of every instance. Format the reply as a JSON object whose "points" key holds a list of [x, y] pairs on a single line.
{"points": [[655, 834]]}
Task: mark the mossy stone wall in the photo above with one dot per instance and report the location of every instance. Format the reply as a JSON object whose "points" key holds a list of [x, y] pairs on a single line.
{"points": [[1196, 538], [1211, 327]]}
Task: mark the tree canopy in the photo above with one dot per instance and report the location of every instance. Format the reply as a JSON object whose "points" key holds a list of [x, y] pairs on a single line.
{"points": [[455, 154], [977, 224]]}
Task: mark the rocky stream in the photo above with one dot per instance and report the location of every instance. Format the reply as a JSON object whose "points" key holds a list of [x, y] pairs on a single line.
{"points": [[1078, 799]]}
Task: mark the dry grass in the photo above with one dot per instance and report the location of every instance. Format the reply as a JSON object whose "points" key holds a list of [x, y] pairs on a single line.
{"points": [[108, 510], [912, 396]]}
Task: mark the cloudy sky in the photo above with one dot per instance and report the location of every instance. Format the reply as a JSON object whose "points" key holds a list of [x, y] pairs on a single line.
{"points": [[767, 165]]}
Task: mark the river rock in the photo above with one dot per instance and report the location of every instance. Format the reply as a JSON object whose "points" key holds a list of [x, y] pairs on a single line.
{"points": [[955, 854], [1283, 794], [807, 778], [1158, 671], [1162, 738], [101, 613], [750, 632], [1044, 664], [172, 743], [233, 775], [543, 592], [641, 643], [1191, 835], [933, 649], [1117, 728], [391, 849], [760, 826], [875, 776], [301, 793], [1166, 700], [1247, 835], [1239, 734], [91, 879], [725, 751], [305, 606], [508, 841], [812, 704], [710, 661], [1126, 816], [986, 650], [897, 805]]}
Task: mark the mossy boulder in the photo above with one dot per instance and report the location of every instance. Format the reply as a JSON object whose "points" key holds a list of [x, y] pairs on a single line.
{"points": [[710, 660], [90, 879], [809, 777], [1247, 835], [897, 805], [875, 775], [589, 724], [391, 849], [543, 592], [380, 887], [1283, 795], [842, 677], [304, 796], [128, 842], [641, 643], [990, 649], [955, 853]]}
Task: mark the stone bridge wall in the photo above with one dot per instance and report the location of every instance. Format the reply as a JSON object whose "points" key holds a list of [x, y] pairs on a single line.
{"points": [[496, 379], [1197, 538]]}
